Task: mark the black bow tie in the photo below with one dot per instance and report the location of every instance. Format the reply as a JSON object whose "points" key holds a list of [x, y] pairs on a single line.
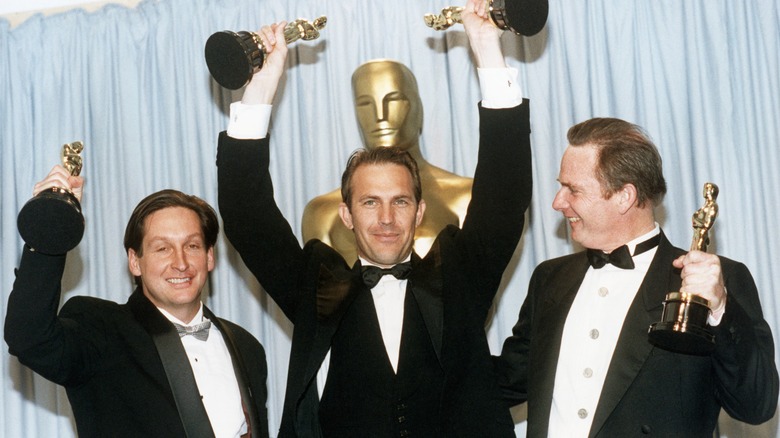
{"points": [[620, 257], [372, 274], [199, 331]]}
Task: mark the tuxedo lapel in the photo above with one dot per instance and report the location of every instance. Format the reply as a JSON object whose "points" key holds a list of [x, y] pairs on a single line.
{"points": [[154, 323], [239, 369], [633, 347], [426, 285], [335, 293], [556, 298], [179, 376]]}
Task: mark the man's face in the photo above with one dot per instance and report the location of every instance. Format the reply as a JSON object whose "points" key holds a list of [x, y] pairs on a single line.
{"points": [[592, 218], [383, 214], [175, 262], [387, 106]]}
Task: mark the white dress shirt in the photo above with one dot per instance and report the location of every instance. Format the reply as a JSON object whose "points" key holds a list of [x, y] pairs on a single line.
{"points": [[589, 338], [213, 369]]}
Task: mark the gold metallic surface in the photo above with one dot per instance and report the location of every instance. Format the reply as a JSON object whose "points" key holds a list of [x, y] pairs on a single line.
{"points": [[389, 113], [704, 217], [71, 158]]}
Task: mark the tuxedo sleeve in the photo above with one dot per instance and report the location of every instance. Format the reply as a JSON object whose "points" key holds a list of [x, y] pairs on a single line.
{"points": [[743, 360], [61, 349], [253, 222], [501, 193]]}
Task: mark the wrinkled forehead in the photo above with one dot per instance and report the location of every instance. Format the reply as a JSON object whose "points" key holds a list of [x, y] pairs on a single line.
{"points": [[380, 78]]}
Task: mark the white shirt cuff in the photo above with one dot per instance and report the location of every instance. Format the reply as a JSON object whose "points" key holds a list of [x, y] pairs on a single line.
{"points": [[249, 122], [500, 88]]}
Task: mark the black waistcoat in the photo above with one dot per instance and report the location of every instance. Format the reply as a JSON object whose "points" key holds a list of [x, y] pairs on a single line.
{"points": [[363, 397]]}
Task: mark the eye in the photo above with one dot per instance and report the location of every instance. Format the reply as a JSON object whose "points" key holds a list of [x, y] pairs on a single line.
{"points": [[395, 97], [364, 101], [370, 202], [402, 202]]}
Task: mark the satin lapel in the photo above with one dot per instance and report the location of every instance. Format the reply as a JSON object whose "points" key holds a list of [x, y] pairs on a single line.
{"points": [[556, 297], [335, 293], [633, 348], [153, 322], [425, 283], [175, 364], [238, 368]]}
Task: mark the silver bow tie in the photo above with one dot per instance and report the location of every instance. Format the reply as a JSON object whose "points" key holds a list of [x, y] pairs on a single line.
{"points": [[199, 331]]}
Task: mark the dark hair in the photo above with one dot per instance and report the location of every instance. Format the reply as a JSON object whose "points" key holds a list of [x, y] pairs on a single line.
{"points": [[134, 233], [626, 155], [382, 155]]}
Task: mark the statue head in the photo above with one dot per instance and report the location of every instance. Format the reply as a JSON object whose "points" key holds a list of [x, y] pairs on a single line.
{"points": [[387, 104], [710, 191]]}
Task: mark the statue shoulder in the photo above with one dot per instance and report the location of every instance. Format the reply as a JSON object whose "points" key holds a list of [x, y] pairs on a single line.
{"points": [[320, 215]]}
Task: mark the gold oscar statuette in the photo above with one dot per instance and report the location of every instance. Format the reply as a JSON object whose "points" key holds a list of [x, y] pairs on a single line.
{"points": [[683, 325], [233, 57], [51, 222], [523, 17]]}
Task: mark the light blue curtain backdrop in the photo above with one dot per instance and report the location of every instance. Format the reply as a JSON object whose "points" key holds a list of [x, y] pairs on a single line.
{"points": [[702, 76]]}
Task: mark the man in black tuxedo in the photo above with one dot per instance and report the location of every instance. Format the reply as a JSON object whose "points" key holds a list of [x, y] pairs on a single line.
{"points": [[127, 369], [580, 353], [406, 356]]}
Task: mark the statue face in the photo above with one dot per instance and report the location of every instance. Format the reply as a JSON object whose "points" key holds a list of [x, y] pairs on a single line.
{"points": [[387, 104]]}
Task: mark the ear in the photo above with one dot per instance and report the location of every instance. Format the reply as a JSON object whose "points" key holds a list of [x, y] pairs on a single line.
{"points": [[420, 212], [346, 216], [132, 263], [627, 198], [210, 256]]}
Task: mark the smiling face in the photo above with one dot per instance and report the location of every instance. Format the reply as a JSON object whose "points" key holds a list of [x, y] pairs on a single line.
{"points": [[595, 221], [175, 261], [387, 104], [383, 213]]}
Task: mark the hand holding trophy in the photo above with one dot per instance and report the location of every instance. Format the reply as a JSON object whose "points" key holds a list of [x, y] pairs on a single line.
{"points": [[233, 57], [51, 222], [523, 17], [684, 317]]}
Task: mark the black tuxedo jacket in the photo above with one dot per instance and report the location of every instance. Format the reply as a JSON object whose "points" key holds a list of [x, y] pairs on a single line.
{"points": [[454, 284], [104, 355], [648, 390]]}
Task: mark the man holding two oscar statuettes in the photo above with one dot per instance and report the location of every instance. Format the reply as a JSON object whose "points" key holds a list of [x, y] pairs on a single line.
{"points": [[405, 354]]}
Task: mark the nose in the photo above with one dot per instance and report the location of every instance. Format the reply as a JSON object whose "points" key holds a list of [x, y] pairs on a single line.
{"points": [[382, 110], [560, 201], [179, 260], [386, 216]]}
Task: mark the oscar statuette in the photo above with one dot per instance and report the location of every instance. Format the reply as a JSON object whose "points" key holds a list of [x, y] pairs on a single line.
{"points": [[233, 57], [51, 222], [683, 325], [523, 17]]}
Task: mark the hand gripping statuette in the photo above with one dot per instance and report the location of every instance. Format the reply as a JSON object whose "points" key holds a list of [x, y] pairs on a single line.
{"points": [[51, 222], [523, 17], [233, 57], [683, 325]]}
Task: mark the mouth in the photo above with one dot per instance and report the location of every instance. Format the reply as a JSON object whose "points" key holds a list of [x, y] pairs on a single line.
{"points": [[386, 237], [182, 280], [383, 132]]}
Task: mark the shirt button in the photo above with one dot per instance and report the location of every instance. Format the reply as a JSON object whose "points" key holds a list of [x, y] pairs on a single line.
{"points": [[582, 413], [588, 373], [594, 334], [603, 292], [401, 419]]}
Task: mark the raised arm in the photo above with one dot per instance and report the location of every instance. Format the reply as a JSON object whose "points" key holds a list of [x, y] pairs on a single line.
{"points": [[252, 221]]}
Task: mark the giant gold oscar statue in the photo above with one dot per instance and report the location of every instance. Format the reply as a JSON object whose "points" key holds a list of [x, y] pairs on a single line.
{"points": [[390, 113], [683, 325]]}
